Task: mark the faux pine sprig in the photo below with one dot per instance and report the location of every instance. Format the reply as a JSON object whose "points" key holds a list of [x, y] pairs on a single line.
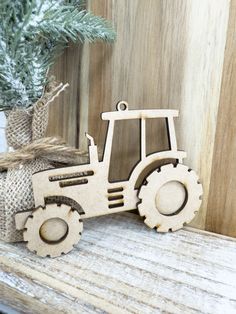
{"points": [[32, 35]]}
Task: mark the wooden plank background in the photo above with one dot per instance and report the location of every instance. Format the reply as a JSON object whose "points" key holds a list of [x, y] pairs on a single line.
{"points": [[64, 111], [168, 54]]}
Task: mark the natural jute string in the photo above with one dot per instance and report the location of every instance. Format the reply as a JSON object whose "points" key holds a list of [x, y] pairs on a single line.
{"points": [[50, 148]]}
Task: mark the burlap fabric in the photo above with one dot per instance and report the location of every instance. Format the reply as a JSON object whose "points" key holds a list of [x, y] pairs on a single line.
{"points": [[16, 194]]}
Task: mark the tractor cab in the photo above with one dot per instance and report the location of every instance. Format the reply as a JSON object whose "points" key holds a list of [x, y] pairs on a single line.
{"points": [[123, 113]]}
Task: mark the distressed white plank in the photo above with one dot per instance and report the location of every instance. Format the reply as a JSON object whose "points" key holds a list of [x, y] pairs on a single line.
{"points": [[121, 266]]}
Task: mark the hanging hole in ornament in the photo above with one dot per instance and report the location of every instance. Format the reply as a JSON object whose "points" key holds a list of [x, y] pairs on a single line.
{"points": [[122, 105]]}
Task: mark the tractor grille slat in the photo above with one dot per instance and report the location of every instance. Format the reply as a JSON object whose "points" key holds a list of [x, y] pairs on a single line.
{"points": [[114, 190], [116, 205], [64, 184], [71, 175], [115, 197]]}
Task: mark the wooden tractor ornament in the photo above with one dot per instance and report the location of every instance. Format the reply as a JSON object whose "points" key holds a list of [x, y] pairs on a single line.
{"points": [[168, 196]]}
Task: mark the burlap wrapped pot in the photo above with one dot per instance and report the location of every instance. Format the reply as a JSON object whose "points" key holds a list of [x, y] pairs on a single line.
{"points": [[16, 194]]}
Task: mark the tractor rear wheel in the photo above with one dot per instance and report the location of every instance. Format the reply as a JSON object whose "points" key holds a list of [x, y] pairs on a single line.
{"points": [[170, 198], [53, 230]]}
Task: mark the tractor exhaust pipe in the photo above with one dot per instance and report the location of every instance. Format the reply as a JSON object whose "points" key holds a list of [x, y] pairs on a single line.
{"points": [[93, 151]]}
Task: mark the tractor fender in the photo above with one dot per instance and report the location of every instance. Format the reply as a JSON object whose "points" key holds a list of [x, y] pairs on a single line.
{"points": [[65, 200], [144, 167]]}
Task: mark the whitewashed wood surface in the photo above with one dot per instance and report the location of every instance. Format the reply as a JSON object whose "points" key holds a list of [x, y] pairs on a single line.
{"points": [[121, 266]]}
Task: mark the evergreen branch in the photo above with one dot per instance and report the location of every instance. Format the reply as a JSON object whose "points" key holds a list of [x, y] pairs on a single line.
{"points": [[74, 25], [32, 34]]}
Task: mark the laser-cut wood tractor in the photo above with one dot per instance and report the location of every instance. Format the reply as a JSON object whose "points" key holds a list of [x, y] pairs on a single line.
{"points": [[167, 196]]}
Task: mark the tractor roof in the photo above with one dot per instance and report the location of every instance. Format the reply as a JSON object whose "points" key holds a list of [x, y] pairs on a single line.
{"points": [[139, 114]]}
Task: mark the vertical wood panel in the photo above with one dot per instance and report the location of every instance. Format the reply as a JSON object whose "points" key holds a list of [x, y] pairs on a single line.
{"points": [[200, 92], [64, 111], [221, 214], [168, 54]]}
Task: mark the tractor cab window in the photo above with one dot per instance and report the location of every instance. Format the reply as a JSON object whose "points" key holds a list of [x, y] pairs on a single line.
{"points": [[125, 149], [156, 135], [126, 145]]}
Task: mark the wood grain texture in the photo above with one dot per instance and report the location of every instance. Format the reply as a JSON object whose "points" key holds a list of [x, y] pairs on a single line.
{"points": [[221, 214], [121, 266], [63, 118], [168, 54]]}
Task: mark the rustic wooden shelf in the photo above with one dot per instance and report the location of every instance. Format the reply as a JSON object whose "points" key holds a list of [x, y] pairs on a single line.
{"points": [[121, 266]]}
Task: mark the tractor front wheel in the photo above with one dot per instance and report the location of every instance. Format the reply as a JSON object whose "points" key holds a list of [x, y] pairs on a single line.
{"points": [[53, 230], [170, 198]]}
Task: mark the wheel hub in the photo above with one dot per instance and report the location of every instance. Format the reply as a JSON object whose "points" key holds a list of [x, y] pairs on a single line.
{"points": [[170, 198], [53, 230]]}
